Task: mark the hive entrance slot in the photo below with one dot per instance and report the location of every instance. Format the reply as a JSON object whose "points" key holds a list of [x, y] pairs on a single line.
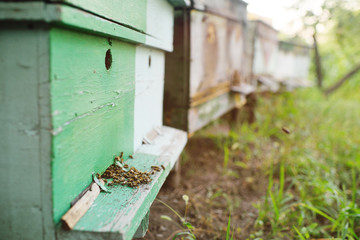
{"points": [[108, 59]]}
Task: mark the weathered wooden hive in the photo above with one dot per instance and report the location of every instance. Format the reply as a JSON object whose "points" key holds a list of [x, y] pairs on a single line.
{"points": [[207, 61], [293, 64], [262, 53], [80, 82]]}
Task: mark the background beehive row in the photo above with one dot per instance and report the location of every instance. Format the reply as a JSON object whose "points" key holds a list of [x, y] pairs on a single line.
{"points": [[80, 82]]}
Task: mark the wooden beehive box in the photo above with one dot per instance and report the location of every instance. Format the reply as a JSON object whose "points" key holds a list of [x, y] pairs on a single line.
{"points": [[207, 61], [81, 81], [293, 64], [262, 54]]}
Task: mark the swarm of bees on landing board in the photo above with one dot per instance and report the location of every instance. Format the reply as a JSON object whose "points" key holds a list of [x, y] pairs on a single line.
{"points": [[132, 178]]}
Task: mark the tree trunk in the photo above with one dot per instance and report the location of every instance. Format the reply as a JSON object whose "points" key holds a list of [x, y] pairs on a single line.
{"points": [[342, 80], [319, 72]]}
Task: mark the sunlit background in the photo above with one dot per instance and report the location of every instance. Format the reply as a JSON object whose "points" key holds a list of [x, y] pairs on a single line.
{"points": [[287, 15]]}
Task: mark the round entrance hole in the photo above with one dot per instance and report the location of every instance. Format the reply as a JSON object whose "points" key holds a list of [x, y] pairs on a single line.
{"points": [[108, 59]]}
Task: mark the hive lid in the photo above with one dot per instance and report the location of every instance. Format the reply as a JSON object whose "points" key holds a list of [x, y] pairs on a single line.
{"points": [[138, 21]]}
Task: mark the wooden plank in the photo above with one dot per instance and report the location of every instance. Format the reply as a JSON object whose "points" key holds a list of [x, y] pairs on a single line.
{"points": [[92, 110], [294, 60], [249, 54], [176, 90], [180, 3], [73, 17], [80, 81], [149, 88], [74, 214], [117, 215], [45, 122], [209, 61], [203, 114], [153, 17], [230, 9], [217, 56], [67, 16], [131, 13], [143, 227], [24, 128], [265, 50], [236, 40], [24, 11], [70, 17], [209, 94], [216, 60], [160, 24]]}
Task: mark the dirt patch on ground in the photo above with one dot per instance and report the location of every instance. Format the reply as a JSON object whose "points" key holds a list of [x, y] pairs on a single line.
{"points": [[214, 193]]}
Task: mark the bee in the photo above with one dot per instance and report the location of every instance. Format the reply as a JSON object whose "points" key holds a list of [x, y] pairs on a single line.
{"points": [[105, 181], [117, 158], [131, 156], [163, 167], [285, 130], [122, 161], [98, 176], [126, 166], [156, 168], [121, 154], [110, 183]]}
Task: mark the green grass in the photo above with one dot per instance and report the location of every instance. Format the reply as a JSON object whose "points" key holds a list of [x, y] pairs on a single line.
{"points": [[185, 228], [313, 172]]}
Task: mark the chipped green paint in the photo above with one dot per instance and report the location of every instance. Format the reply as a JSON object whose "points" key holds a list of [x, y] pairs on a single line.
{"points": [[113, 204], [65, 115], [25, 139], [75, 18], [131, 13], [120, 213], [92, 109]]}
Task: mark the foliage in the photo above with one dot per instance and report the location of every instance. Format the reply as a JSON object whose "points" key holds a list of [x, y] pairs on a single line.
{"points": [[186, 228], [335, 25], [313, 171]]}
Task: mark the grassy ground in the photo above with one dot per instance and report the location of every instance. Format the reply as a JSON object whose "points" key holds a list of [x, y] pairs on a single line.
{"points": [[303, 184], [313, 172]]}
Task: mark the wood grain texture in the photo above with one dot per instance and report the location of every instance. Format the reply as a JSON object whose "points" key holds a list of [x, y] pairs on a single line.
{"points": [[143, 227], [117, 215], [149, 88], [209, 62], [25, 11], [92, 110], [208, 57], [265, 49], [203, 114], [293, 64], [180, 3], [74, 214], [160, 24], [230, 9], [177, 70], [25, 137], [67, 16], [131, 13], [217, 52], [75, 18], [160, 21]]}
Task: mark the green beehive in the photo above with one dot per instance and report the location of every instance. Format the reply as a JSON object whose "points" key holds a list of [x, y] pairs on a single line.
{"points": [[81, 82]]}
